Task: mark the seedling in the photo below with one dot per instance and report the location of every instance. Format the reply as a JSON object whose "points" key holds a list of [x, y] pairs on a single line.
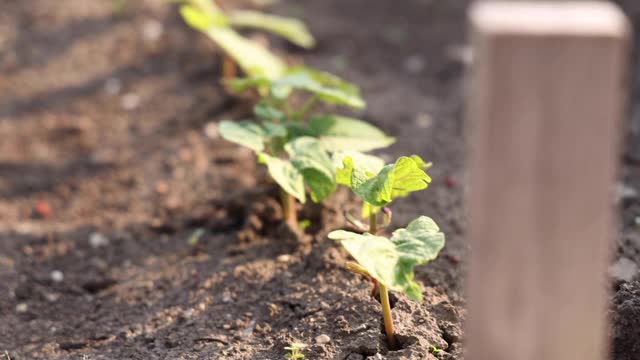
{"points": [[253, 59], [296, 145], [389, 262], [295, 351]]}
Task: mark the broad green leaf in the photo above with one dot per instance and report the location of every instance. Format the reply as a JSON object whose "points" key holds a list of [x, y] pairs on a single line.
{"points": [[291, 29], [421, 164], [352, 176], [343, 133], [272, 129], [325, 86], [245, 133], [264, 111], [370, 163], [312, 160], [393, 181], [254, 59], [286, 175], [392, 261]]}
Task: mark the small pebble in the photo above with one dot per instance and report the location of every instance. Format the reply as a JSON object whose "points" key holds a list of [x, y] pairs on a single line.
{"points": [[22, 308], [162, 187], [323, 339], [211, 131], [152, 30], [57, 276], [43, 209], [97, 240], [423, 121], [51, 297], [284, 258], [130, 101], [623, 270]]}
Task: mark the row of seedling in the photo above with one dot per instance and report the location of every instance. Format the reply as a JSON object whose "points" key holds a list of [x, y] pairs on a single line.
{"points": [[309, 152]]}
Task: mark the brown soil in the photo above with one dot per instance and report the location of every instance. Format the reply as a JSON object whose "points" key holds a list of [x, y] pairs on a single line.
{"points": [[106, 172]]}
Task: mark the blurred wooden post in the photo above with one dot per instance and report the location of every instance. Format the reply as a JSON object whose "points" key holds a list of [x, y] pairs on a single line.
{"points": [[544, 120]]}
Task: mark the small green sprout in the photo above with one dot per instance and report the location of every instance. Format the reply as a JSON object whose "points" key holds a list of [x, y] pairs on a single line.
{"points": [[253, 59], [434, 349], [389, 261], [295, 351], [297, 145], [194, 238]]}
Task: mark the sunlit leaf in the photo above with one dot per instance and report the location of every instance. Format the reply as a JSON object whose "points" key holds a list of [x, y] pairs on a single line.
{"points": [[252, 58], [286, 175], [312, 160], [325, 86], [392, 261], [392, 181], [291, 29], [370, 163], [202, 20], [245, 133], [342, 133]]}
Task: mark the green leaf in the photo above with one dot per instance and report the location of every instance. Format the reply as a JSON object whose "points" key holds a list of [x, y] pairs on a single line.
{"points": [[202, 20], [245, 133], [272, 129], [312, 160], [392, 261], [343, 133], [370, 163], [254, 59], [325, 86], [291, 29], [206, 6], [352, 176], [392, 181], [264, 111], [286, 175], [329, 88]]}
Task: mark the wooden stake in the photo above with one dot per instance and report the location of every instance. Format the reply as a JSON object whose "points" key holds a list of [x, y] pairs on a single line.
{"points": [[544, 119]]}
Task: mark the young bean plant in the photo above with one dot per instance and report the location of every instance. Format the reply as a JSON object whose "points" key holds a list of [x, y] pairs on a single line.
{"points": [[253, 59], [296, 143], [388, 261]]}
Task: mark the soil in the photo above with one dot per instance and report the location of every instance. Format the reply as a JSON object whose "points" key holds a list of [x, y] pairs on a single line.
{"points": [[110, 164]]}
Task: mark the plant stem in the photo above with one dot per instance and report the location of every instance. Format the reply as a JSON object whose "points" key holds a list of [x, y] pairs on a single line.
{"points": [[306, 108], [289, 208], [373, 223], [388, 319]]}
